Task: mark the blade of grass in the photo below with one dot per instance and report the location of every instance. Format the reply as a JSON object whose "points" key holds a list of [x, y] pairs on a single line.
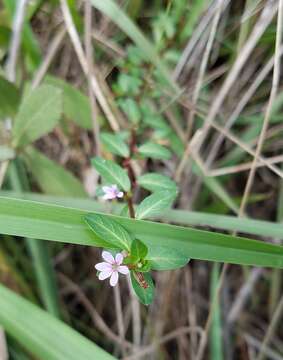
{"points": [[43, 335], [182, 217], [216, 330], [51, 222], [39, 251]]}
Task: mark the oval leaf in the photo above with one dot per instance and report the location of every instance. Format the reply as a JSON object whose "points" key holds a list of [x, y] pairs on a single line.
{"points": [[115, 144], [38, 114], [109, 231], [145, 295], [156, 182], [9, 98], [163, 258], [138, 249], [52, 178], [112, 173], [130, 108], [154, 151], [154, 204], [76, 105]]}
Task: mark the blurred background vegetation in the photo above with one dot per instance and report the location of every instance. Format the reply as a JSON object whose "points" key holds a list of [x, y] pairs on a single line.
{"points": [[192, 77]]}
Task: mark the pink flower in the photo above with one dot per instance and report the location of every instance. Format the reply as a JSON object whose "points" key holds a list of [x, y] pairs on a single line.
{"points": [[111, 267], [111, 192]]}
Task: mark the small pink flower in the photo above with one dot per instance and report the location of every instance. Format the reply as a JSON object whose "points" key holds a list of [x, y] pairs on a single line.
{"points": [[111, 267], [111, 192]]}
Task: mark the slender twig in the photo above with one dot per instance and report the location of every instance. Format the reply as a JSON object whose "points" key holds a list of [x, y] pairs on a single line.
{"points": [[203, 65], [196, 93], [272, 355], [3, 169], [193, 40], [89, 59], [83, 62], [114, 47], [242, 167], [119, 314], [261, 25], [168, 337], [18, 22], [3, 346], [136, 316], [239, 108], [276, 74], [96, 318], [271, 329], [50, 53], [243, 294], [274, 89]]}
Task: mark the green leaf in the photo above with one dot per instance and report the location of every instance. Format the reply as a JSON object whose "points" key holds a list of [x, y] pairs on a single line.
{"points": [[155, 204], [145, 295], [154, 151], [156, 182], [52, 178], [76, 105], [41, 333], [38, 114], [110, 231], [9, 98], [125, 211], [57, 223], [162, 258], [138, 249], [181, 217], [128, 84], [112, 173], [130, 108], [115, 144]]}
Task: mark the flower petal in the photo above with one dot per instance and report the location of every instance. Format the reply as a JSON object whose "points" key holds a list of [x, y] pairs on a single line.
{"points": [[106, 188], [119, 259], [103, 266], [114, 187], [123, 270], [107, 256], [105, 274], [114, 278], [120, 194]]}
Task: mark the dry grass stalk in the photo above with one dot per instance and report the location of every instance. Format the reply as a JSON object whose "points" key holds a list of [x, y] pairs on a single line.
{"points": [[83, 62], [274, 89], [89, 59]]}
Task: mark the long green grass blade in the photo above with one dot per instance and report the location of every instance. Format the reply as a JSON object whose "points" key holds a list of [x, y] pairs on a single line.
{"points": [[182, 217], [56, 223], [43, 268], [43, 335], [216, 351]]}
